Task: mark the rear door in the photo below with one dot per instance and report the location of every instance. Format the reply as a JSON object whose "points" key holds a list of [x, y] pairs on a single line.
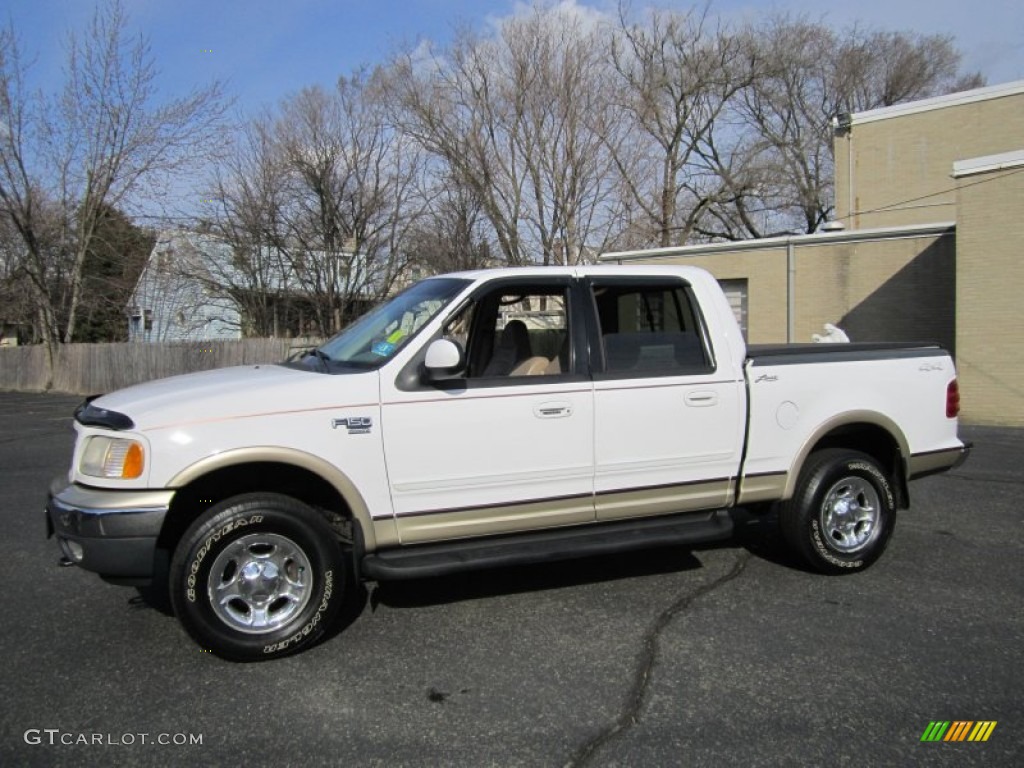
{"points": [[668, 419]]}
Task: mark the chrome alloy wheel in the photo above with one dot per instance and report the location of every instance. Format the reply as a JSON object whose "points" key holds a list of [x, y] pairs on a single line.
{"points": [[259, 582], [850, 514]]}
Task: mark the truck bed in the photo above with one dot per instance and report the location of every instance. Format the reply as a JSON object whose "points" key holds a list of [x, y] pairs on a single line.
{"points": [[795, 354]]}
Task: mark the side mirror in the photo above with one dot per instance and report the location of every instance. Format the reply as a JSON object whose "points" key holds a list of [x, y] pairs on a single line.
{"points": [[444, 357]]}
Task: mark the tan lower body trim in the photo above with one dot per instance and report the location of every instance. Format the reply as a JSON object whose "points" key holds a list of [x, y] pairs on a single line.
{"points": [[662, 500], [485, 521], [439, 525], [768, 487]]}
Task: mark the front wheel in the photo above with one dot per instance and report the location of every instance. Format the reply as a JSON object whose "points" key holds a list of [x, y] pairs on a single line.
{"points": [[842, 514], [258, 576]]}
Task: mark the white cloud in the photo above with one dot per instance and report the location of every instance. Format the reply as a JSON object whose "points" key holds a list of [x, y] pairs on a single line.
{"points": [[587, 14]]}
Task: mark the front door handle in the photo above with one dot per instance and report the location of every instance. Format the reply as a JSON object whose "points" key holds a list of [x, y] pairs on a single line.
{"points": [[555, 410]]}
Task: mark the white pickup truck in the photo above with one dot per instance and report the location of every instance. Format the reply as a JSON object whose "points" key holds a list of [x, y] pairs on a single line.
{"points": [[492, 418]]}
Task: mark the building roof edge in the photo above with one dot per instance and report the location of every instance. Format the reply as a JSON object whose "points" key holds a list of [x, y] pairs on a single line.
{"points": [[845, 236], [986, 93]]}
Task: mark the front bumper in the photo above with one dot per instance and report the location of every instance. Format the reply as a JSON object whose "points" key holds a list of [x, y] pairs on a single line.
{"points": [[110, 532]]}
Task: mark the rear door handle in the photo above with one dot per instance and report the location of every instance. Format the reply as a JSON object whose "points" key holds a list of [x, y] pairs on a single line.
{"points": [[701, 398], [552, 410]]}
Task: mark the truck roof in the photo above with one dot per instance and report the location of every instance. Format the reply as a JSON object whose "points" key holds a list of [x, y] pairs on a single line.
{"points": [[582, 271]]}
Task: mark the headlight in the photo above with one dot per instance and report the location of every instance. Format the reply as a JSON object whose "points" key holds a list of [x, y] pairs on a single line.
{"points": [[112, 457]]}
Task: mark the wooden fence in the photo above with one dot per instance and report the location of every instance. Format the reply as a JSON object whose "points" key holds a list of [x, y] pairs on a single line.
{"points": [[97, 368]]}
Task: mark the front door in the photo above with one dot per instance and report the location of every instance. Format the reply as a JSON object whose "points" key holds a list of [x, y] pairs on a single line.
{"points": [[506, 443]]}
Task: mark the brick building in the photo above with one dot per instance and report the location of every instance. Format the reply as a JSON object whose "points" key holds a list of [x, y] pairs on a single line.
{"points": [[932, 195]]}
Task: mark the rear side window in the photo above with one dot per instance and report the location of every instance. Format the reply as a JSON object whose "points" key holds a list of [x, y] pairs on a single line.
{"points": [[650, 329]]}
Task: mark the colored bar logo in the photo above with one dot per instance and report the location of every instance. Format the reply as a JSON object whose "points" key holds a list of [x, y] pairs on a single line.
{"points": [[958, 730]]}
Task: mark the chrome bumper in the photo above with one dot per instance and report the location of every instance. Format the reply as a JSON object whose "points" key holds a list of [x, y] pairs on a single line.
{"points": [[110, 532], [933, 462]]}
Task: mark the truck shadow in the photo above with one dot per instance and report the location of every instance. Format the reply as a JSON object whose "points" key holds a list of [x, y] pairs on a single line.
{"points": [[475, 585], [758, 533]]}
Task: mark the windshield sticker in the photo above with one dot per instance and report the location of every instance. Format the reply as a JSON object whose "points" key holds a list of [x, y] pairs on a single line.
{"points": [[383, 348], [397, 336]]}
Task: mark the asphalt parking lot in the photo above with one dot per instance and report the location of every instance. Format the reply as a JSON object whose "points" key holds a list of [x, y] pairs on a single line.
{"points": [[727, 655]]}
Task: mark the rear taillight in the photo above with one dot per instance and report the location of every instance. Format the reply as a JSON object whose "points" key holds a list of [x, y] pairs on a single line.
{"points": [[952, 400]]}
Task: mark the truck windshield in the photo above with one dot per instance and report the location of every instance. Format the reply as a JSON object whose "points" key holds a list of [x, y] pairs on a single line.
{"points": [[377, 336]]}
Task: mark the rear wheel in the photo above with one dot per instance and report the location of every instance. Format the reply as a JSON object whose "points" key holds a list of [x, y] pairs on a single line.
{"points": [[842, 514], [258, 576]]}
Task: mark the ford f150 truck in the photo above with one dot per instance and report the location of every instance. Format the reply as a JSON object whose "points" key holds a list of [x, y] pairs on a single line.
{"points": [[492, 418]]}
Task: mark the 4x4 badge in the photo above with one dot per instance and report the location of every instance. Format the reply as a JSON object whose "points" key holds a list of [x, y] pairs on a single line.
{"points": [[357, 425]]}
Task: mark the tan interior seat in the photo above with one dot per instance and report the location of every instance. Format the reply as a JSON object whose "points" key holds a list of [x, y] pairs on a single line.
{"points": [[532, 366], [513, 349]]}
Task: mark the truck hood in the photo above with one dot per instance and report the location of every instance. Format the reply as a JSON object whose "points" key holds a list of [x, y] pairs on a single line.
{"points": [[242, 391]]}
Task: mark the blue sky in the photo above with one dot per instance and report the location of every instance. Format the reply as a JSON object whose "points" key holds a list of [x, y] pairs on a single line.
{"points": [[266, 49]]}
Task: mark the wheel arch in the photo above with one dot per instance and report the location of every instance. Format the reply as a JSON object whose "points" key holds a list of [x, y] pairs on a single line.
{"points": [[869, 432], [301, 475]]}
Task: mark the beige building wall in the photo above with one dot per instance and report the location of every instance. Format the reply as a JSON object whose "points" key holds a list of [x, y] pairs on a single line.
{"points": [[764, 270], [893, 289], [990, 288], [875, 285], [894, 163], [904, 175]]}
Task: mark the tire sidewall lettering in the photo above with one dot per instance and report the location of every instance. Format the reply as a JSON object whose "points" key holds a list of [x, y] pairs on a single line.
{"points": [[325, 602], [803, 516], [221, 527], [204, 550], [881, 481], [826, 553]]}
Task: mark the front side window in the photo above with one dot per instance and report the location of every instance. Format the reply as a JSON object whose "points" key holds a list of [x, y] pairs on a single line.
{"points": [[650, 329], [514, 332], [378, 336]]}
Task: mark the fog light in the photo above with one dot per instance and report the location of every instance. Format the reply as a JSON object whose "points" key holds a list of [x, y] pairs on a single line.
{"points": [[72, 550]]}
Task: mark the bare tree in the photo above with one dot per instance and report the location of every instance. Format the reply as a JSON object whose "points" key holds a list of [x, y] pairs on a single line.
{"points": [[780, 173], [509, 118], [676, 75], [104, 142], [16, 304], [878, 68], [318, 202], [25, 205], [352, 178], [250, 200], [786, 113], [451, 236]]}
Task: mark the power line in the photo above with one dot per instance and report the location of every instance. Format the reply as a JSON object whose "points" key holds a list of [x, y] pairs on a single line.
{"points": [[893, 206]]}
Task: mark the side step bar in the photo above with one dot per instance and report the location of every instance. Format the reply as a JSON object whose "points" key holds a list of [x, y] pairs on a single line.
{"points": [[421, 560]]}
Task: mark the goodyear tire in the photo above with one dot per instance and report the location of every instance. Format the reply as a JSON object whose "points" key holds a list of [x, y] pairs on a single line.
{"points": [[842, 514], [257, 577]]}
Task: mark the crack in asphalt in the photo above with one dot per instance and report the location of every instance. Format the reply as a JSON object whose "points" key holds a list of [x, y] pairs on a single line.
{"points": [[630, 714]]}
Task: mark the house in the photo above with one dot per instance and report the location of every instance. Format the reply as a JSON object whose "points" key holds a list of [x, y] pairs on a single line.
{"points": [[931, 194], [196, 287], [175, 298]]}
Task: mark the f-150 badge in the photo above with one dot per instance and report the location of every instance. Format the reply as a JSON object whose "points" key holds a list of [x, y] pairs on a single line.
{"points": [[356, 425]]}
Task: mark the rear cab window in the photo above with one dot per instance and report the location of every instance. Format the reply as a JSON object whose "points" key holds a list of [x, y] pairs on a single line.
{"points": [[649, 327]]}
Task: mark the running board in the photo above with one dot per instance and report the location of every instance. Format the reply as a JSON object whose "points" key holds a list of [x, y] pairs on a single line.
{"points": [[421, 560]]}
